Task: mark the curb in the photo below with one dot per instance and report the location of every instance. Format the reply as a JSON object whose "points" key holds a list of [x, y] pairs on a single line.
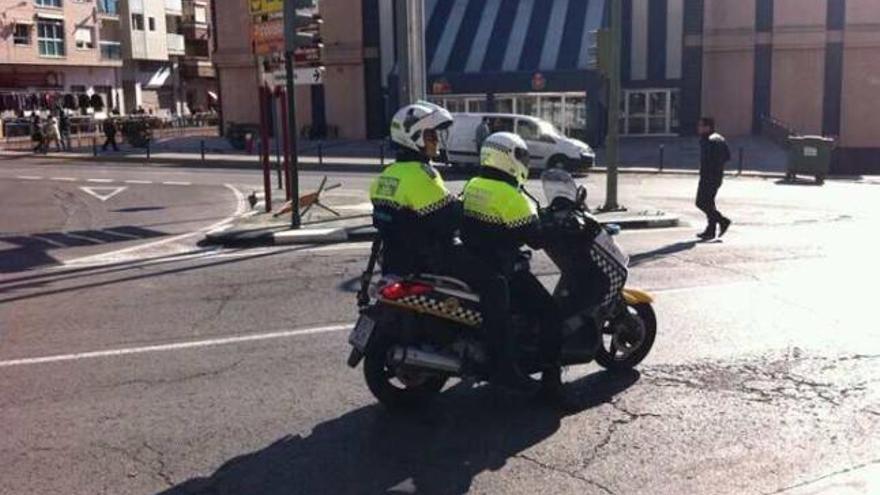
{"points": [[364, 233]]}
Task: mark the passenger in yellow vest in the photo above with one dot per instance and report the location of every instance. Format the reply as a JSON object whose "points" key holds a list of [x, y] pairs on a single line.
{"points": [[499, 219], [415, 214]]}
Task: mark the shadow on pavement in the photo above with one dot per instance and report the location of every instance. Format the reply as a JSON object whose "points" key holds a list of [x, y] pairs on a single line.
{"points": [[678, 247], [797, 182], [32, 249], [371, 450]]}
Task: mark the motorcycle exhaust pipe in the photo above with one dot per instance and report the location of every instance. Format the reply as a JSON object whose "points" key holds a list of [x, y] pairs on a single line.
{"points": [[417, 358]]}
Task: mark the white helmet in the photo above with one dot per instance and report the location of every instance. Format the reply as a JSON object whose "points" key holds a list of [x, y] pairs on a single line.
{"points": [[409, 124], [508, 153]]}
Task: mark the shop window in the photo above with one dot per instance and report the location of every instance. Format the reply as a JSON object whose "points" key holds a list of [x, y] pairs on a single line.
{"points": [[476, 106], [504, 105], [651, 111], [50, 38], [455, 105], [21, 34], [551, 109], [527, 105], [48, 3], [83, 38], [137, 22]]}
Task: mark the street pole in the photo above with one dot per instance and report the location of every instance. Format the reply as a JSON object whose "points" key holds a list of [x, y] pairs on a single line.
{"points": [[410, 15], [612, 140], [289, 47]]}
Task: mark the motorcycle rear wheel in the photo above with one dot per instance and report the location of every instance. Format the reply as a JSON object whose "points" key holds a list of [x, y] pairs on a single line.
{"points": [[620, 354], [412, 390]]}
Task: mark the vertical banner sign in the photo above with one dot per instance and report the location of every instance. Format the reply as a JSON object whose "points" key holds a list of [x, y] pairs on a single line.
{"points": [[268, 36], [263, 7]]}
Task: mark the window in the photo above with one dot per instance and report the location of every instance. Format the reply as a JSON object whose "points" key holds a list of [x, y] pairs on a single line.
{"points": [[652, 111], [501, 124], [527, 130], [201, 14], [50, 38], [152, 21], [21, 35], [48, 3], [137, 22], [83, 38]]}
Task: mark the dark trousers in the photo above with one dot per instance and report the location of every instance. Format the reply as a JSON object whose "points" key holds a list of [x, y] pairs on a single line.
{"points": [[111, 140], [706, 192], [528, 294]]}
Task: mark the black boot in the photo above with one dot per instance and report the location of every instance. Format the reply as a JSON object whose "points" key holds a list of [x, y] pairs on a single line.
{"points": [[553, 390], [708, 234], [725, 224]]}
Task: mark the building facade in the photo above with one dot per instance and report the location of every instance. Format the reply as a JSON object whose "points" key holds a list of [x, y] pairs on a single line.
{"points": [[811, 64], [52, 48], [153, 54]]}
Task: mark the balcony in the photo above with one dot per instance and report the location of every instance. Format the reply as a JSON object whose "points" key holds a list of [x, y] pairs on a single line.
{"points": [[193, 68], [108, 9], [174, 7], [175, 43], [111, 50], [195, 31]]}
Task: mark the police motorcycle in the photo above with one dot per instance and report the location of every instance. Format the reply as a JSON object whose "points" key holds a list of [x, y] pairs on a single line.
{"points": [[414, 334]]}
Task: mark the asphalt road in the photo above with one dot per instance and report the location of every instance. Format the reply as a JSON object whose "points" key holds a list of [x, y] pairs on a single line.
{"points": [[181, 369]]}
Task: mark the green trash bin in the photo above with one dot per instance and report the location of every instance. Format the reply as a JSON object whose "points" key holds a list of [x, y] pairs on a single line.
{"points": [[809, 155]]}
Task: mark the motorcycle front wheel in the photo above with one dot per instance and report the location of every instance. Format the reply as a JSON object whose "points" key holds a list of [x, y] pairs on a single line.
{"points": [[395, 388], [628, 339]]}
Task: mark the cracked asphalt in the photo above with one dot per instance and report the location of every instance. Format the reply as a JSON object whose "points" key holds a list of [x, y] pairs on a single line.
{"points": [[197, 370]]}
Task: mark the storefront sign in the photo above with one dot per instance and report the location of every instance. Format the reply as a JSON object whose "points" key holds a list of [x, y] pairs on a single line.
{"points": [[538, 82], [261, 7]]}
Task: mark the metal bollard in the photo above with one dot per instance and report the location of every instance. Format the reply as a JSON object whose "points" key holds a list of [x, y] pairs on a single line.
{"points": [[148, 149], [382, 154], [320, 154], [203, 150], [740, 168], [94, 146], [662, 156]]}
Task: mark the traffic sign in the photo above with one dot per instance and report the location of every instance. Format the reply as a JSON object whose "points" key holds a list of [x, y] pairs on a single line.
{"points": [[301, 77]]}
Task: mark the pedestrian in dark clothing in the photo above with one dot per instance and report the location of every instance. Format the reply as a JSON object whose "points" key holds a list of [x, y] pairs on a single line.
{"points": [[37, 133], [110, 131], [714, 153], [64, 128]]}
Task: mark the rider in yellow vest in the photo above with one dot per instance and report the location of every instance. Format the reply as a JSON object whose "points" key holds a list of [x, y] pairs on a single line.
{"points": [[415, 214], [499, 219]]}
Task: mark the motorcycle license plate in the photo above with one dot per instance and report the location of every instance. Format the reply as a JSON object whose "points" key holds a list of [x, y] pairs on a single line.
{"points": [[360, 335]]}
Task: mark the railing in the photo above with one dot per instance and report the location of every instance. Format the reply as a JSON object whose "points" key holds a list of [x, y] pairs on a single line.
{"points": [[174, 7], [111, 50], [175, 44], [108, 7]]}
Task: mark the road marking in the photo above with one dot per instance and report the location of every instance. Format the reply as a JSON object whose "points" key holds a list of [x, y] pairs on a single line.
{"points": [[134, 181], [174, 347], [97, 259], [48, 240], [102, 181], [29, 177], [65, 179], [95, 191], [176, 183]]}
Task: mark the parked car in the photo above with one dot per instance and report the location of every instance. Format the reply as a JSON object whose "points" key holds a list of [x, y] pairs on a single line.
{"points": [[547, 146]]}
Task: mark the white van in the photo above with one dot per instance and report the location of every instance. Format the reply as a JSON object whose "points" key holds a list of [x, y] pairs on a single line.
{"points": [[547, 146]]}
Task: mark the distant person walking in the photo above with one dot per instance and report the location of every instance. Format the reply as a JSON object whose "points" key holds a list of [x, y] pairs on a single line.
{"points": [[714, 153], [109, 129], [483, 131], [37, 133], [64, 127], [51, 133]]}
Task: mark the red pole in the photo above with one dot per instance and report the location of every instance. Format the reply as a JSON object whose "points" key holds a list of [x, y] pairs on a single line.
{"points": [[265, 98], [282, 96]]}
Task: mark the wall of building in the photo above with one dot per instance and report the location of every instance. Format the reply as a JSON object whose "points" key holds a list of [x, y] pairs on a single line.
{"points": [[343, 35], [75, 15], [860, 105]]}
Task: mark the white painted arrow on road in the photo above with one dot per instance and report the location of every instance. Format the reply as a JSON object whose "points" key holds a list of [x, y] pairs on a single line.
{"points": [[103, 193]]}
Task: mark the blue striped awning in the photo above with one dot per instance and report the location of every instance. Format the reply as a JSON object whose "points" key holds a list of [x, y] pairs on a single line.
{"points": [[480, 36]]}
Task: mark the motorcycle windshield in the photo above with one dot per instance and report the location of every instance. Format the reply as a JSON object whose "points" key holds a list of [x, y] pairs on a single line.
{"points": [[558, 184]]}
